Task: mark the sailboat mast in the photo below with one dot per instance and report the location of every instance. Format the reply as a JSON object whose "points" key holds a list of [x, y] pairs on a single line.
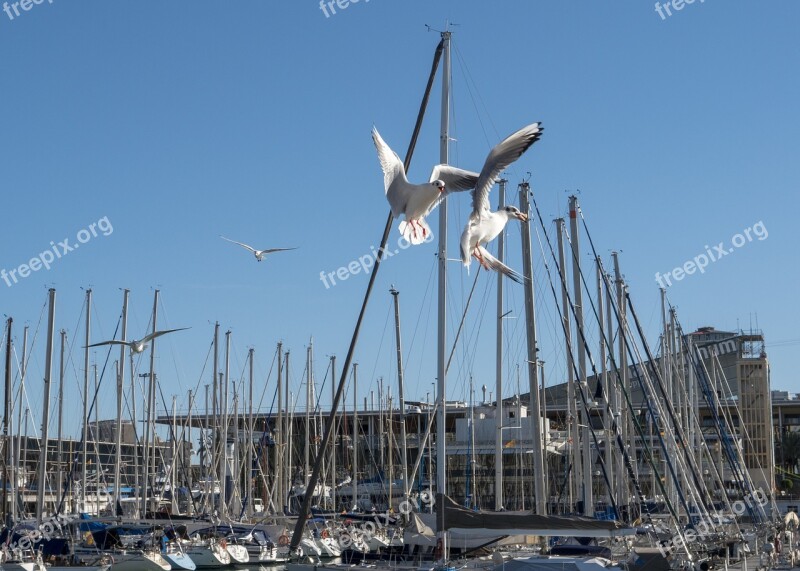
{"points": [[390, 446], [61, 374], [48, 372], [614, 394], [137, 440], [333, 422], [628, 434], [355, 437], [287, 461], [401, 394], [534, 412], [305, 508], [223, 476], [86, 396], [573, 475], [277, 485], [498, 410], [120, 388], [381, 447], [6, 418], [21, 460], [186, 440], [250, 430], [150, 462], [588, 496], [215, 436], [174, 454], [670, 482], [307, 444], [441, 334], [608, 420]]}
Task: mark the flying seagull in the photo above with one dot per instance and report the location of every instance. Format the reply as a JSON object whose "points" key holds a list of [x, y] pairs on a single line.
{"points": [[484, 225], [259, 254], [416, 201], [141, 344]]}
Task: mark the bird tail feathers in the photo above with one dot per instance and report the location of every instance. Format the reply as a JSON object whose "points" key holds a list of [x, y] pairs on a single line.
{"points": [[498, 266]]}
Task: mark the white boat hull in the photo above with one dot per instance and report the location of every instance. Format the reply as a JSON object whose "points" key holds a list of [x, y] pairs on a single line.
{"points": [[180, 560], [205, 556], [238, 553], [140, 562]]}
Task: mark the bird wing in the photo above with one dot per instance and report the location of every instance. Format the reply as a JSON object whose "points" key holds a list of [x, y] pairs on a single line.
{"points": [[455, 180], [242, 245], [113, 342], [160, 333], [393, 170], [270, 250], [391, 165], [499, 266], [502, 155]]}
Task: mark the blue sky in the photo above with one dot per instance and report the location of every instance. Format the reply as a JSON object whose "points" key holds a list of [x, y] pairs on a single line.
{"points": [[181, 121]]}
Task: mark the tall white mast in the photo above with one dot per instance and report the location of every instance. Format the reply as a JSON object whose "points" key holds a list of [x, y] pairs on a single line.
{"points": [[608, 419], [355, 437], [628, 434], [401, 394], [86, 396], [61, 374], [535, 412], [21, 461], [250, 430], [441, 345], [223, 476], [498, 411], [277, 424], [307, 444], [120, 385], [572, 413], [588, 495], [48, 372], [214, 433], [334, 429], [151, 406]]}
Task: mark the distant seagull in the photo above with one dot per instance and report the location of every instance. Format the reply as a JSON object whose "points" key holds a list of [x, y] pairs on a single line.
{"points": [[484, 225], [141, 344], [259, 254], [416, 201]]}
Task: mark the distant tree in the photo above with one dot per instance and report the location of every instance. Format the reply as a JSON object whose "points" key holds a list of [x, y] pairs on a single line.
{"points": [[789, 450]]}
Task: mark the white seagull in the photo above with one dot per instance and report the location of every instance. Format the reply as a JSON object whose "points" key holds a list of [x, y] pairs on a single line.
{"points": [[484, 225], [137, 346], [259, 254], [416, 201]]}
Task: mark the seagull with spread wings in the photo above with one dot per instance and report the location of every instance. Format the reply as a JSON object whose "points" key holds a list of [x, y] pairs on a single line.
{"points": [[137, 346], [259, 254], [484, 225], [416, 201]]}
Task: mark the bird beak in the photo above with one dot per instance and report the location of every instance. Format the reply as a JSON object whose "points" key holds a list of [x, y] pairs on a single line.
{"points": [[441, 190], [522, 216]]}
